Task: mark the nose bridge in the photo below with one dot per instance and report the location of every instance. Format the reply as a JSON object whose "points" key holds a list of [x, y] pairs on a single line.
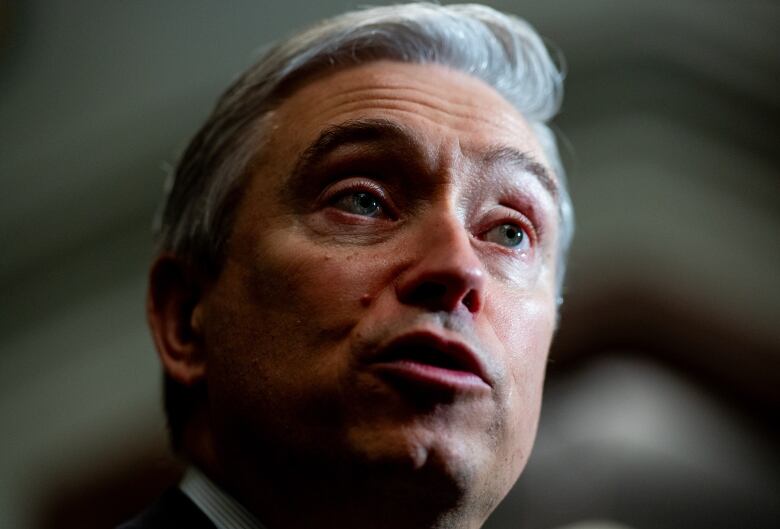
{"points": [[446, 272], [447, 240]]}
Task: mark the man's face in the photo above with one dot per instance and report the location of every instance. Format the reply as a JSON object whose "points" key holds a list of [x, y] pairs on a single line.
{"points": [[387, 297]]}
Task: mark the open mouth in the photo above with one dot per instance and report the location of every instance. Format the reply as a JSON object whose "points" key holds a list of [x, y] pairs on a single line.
{"points": [[428, 360], [426, 355]]}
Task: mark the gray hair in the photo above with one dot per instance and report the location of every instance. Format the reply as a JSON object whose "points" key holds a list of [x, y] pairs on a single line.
{"points": [[502, 50]]}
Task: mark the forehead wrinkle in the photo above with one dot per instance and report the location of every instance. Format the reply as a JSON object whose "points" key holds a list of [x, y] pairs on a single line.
{"points": [[398, 99]]}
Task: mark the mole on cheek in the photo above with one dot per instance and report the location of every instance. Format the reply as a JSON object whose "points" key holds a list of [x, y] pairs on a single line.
{"points": [[366, 299]]}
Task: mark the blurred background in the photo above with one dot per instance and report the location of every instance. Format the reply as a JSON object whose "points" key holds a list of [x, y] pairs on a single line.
{"points": [[661, 407]]}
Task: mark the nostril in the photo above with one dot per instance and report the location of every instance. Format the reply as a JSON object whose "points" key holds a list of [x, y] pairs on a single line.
{"points": [[439, 295], [471, 301], [427, 293]]}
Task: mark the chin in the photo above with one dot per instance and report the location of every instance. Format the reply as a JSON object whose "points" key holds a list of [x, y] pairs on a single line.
{"points": [[451, 484], [442, 468]]}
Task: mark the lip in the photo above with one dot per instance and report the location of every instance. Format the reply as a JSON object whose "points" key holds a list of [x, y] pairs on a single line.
{"points": [[460, 367]]}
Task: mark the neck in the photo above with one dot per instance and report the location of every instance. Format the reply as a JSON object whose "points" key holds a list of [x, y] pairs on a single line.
{"points": [[288, 493], [299, 496], [349, 500]]}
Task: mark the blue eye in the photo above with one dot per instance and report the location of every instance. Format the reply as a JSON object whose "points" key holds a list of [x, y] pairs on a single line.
{"points": [[509, 235], [360, 203]]}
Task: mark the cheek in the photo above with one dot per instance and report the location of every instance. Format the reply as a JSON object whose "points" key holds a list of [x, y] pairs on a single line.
{"points": [[524, 324], [318, 286], [525, 327], [277, 322]]}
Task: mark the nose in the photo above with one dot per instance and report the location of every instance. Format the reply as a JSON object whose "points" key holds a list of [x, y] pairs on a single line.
{"points": [[446, 273]]}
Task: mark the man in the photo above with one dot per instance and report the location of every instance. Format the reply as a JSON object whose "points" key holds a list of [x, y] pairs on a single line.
{"points": [[356, 289]]}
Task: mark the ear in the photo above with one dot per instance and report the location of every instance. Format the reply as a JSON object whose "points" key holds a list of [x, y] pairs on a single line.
{"points": [[174, 311]]}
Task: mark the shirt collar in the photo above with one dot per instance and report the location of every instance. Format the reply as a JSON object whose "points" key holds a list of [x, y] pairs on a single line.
{"points": [[223, 510]]}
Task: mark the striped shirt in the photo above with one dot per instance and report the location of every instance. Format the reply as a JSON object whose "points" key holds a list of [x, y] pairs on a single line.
{"points": [[222, 509]]}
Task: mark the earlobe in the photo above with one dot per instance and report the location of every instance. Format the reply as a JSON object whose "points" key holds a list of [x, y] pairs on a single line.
{"points": [[174, 310]]}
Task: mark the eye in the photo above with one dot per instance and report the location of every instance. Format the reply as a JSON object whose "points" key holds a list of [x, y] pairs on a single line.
{"points": [[508, 234], [360, 203]]}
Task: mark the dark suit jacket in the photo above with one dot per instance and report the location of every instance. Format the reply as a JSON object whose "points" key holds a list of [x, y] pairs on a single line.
{"points": [[173, 510]]}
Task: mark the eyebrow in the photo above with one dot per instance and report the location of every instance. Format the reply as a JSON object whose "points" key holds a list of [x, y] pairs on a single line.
{"points": [[378, 130], [352, 132], [504, 155]]}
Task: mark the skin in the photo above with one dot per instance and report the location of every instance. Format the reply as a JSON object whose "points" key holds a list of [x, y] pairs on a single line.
{"points": [[391, 224]]}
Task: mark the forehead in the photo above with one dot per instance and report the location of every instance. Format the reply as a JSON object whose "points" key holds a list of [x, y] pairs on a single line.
{"points": [[452, 113]]}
